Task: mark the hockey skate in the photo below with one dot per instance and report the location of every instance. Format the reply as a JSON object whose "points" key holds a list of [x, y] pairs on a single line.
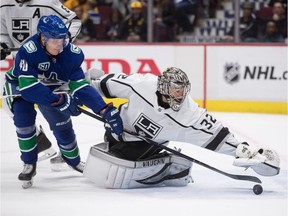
{"points": [[80, 167], [58, 164], [45, 149], [27, 174]]}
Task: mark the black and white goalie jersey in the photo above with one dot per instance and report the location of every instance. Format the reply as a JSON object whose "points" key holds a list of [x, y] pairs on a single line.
{"points": [[143, 114]]}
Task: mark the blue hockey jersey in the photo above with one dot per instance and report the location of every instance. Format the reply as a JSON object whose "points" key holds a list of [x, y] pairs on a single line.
{"points": [[38, 75]]}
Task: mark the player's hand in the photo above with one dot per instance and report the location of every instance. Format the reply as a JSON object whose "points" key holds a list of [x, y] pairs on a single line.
{"points": [[112, 116], [4, 52], [66, 105]]}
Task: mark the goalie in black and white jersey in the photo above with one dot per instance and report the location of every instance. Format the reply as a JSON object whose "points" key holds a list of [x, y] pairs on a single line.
{"points": [[160, 109]]}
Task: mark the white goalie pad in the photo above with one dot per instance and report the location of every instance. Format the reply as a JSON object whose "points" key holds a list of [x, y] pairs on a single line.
{"points": [[108, 171]]}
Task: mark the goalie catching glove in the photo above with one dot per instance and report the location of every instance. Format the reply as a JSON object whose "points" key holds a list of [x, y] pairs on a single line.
{"points": [[265, 162]]}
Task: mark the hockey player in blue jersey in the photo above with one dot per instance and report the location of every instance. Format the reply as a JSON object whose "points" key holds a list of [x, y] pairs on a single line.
{"points": [[44, 65]]}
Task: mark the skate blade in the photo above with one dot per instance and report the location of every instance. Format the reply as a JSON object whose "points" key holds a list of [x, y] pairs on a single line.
{"points": [[48, 153], [60, 167], [27, 184]]}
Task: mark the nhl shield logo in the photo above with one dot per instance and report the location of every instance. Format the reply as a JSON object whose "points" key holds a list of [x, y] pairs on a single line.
{"points": [[231, 72], [21, 29]]}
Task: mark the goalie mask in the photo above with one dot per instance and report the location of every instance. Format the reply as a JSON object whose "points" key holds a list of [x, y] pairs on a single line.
{"points": [[175, 86]]}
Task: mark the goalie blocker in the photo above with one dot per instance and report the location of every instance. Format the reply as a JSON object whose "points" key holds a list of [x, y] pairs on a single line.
{"points": [[108, 171]]}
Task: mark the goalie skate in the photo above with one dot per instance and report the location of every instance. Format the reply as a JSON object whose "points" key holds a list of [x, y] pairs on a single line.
{"points": [[26, 176], [45, 150]]}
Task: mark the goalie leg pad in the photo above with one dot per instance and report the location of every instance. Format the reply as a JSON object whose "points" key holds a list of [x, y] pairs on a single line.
{"points": [[108, 171]]}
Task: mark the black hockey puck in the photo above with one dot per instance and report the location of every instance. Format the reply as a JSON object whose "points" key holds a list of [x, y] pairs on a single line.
{"points": [[257, 189]]}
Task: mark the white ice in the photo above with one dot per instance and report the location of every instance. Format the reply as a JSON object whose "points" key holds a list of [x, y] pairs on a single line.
{"points": [[69, 193]]}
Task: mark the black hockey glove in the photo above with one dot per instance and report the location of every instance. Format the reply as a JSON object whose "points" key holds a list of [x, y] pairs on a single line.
{"points": [[112, 117], [4, 52], [66, 105]]}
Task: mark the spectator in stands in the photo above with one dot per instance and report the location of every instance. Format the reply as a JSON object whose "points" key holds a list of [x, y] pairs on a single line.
{"points": [[248, 25], [113, 25], [271, 2], [71, 4], [185, 12], [134, 27], [164, 20], [278, 15], [88, 31], [271, 34], [122, 6], [280, 18]]}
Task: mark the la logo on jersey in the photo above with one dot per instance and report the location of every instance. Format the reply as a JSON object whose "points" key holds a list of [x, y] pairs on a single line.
{"points": [[21, 29], [146, 127]]}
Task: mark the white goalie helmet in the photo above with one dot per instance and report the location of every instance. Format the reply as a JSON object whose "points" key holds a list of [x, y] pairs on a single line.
{"points": [[175, 85]]}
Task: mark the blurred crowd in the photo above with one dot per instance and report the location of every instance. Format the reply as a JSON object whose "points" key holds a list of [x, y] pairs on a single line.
{"points": [[126, 20]]}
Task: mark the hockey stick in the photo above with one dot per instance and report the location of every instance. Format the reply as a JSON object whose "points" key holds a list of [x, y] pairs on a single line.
{"points": [[152, 142], [9, 50]]}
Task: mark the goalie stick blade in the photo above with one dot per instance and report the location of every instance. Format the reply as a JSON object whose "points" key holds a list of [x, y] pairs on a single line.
{"points": [[233, 176]]}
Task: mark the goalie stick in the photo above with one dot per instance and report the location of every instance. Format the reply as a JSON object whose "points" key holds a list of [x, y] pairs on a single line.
{"points": [[152, 142]]}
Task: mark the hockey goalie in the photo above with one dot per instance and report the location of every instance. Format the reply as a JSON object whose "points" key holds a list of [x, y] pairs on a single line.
{"points": [[160, 109]]}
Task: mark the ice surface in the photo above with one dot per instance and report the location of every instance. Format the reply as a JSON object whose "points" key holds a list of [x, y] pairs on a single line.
{"points": [[69, 193]]}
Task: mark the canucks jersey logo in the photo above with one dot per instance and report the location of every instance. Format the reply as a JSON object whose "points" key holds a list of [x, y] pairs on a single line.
{"points": [[75, 49], [21, 29], [44, 66], [51, 80], [146, 127]]}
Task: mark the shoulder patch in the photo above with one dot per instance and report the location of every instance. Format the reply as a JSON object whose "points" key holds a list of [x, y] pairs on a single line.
{"points": [[75, 49], [30, 47]]}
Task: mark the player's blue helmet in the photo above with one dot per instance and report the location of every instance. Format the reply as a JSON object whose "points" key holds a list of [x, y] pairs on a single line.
{"points": [[52, 27]]}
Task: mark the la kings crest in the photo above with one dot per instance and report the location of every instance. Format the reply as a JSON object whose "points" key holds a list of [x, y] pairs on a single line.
{"points": [[21, 29], [146, 127]]}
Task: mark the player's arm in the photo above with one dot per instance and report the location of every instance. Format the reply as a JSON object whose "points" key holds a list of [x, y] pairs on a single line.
{"points": [[84, 94], [69, 17], [88, 96], [29, 85], [116, 85]]}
